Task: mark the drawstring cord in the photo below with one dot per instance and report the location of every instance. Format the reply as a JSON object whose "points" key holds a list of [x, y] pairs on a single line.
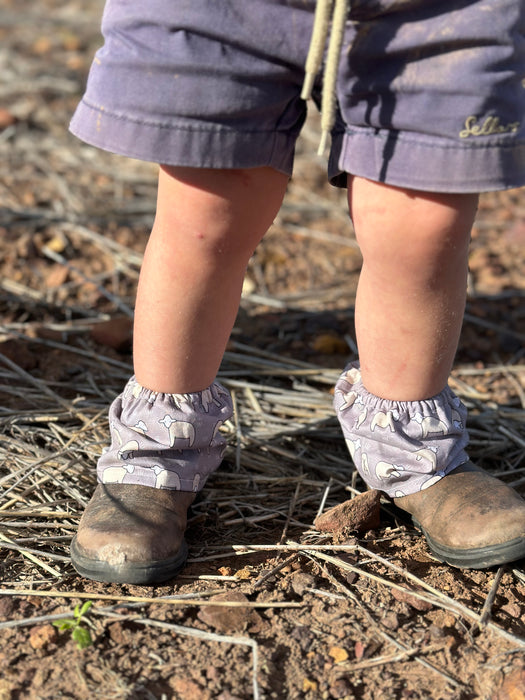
{"points": [[337, 11]]}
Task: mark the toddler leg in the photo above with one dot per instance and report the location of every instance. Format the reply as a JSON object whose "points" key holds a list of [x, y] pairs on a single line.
{"points": [[403, 425], [165, 439], [412, 289], [207, 226]]}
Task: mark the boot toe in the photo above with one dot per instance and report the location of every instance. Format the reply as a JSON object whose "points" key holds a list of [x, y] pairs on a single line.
{"points": [[131, 534], [470, 519]]}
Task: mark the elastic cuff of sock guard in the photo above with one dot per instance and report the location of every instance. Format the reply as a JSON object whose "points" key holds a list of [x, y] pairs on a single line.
{"points": [[164, 440], [400, 447]]}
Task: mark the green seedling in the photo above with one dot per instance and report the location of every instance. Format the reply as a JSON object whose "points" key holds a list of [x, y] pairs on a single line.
{"points": [[80, 634]]}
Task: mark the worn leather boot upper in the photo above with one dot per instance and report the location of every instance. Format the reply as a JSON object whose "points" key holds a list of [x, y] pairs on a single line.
{"points": [[132, 534], [470, 518]]}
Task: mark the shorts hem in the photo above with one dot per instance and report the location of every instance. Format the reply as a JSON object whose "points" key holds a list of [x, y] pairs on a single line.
{"points": [[420, 163], [183, 143]]}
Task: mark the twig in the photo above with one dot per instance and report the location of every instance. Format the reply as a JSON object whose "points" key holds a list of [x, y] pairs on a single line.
{"points": [[486, 610], [177, 602]]}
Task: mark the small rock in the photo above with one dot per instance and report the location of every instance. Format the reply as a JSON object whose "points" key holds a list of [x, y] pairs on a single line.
{"points": [[360, 513], [338, 654], [412, 600], [341, 688], [188, 689], [213, 674], [6, 690], [301, 582], [309, 684], [117, 633], [513, 687], [56, 276], [41, 636], [243, 574], [512, 609], [7, 607], [391, 621], [359, 650], [226, 618]]}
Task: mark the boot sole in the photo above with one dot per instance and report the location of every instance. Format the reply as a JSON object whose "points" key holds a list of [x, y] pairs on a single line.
{"points": [[128, 572], [476, 557]]}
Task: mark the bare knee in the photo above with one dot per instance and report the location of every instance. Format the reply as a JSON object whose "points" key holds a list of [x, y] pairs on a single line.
{"points": [[217, 213], [410, 233]]}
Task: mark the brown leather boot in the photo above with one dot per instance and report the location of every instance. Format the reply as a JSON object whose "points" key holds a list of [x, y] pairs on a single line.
{"points": [[470, 519], [132, 534]]}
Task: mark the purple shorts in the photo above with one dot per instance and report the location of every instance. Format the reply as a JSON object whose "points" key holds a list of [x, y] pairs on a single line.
{"points": [[431, 93]]}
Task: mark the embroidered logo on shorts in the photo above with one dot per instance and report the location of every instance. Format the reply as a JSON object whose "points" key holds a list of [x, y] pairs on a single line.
{"points": [[489, 127]]}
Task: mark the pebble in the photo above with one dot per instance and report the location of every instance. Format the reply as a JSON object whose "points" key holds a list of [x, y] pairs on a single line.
{"points": [[391, 621], [301, 582], [41, 636], [341, 688], [412, 600], [360, 513], [225, 618]]}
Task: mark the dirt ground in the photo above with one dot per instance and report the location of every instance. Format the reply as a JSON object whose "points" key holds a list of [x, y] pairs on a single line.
{"points": [[268, 606]]}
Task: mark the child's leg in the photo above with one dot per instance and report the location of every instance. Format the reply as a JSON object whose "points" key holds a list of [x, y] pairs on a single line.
{"points": [[404, 427], [207, 226], [412, 288], [165, 424]]}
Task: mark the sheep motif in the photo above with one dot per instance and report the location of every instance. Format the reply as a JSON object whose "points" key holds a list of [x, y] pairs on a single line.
{"points": [[353, 375], [166, 479], [361, 418], [140, 427], [178, 430], [128, 450], [364, 464], [116, 475], [430, 424], [152, 397], [384, 420], [433, 480], [430, 454], [384, 470], [135, 390], [215, 431], [353, 446], [349, 398], [115, 433]]}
